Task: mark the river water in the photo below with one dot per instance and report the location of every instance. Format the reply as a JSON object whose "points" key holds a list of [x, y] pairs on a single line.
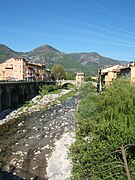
{"points": [[37, 143]]}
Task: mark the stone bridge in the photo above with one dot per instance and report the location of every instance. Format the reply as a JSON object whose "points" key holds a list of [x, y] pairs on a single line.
{"points": [[14, 93], [79, 80], [63, 82]]}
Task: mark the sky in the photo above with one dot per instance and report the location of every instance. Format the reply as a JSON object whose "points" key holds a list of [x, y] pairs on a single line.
{"points": [[103, 26]]}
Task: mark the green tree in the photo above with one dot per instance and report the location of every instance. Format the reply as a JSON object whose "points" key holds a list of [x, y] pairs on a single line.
{"points": [[106, 126], [70, 75], [58, 71]]}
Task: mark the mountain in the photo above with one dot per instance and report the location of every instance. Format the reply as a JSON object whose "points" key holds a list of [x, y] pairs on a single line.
{"points": [[75, 62], [94, 61], [6, 53]]}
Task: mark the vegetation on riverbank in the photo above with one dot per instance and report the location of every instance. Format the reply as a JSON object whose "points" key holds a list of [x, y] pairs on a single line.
{"points": [[45, 89], [67, 95], [105, 133]]}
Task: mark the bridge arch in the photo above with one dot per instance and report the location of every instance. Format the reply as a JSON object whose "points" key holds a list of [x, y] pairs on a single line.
{"points": [[32, 90], [67, 84], [14, 97], [5, 99], [79, 80], [73, 82], [26, 94], [13, 93], [21, 98]]}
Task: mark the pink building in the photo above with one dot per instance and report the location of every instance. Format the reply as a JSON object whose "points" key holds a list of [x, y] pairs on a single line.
{"points": [[20, 69]]}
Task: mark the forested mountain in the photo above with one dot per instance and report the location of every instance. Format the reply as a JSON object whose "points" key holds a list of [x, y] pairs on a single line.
{"points": [[83, 62]]}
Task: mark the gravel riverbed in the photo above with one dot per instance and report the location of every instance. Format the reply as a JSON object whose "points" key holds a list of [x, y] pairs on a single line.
{"points": [[39, 143]]}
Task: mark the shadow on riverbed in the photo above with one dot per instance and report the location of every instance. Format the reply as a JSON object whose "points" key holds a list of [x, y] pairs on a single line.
{"points": [[28, 141], [4, 113], [11, 174]]}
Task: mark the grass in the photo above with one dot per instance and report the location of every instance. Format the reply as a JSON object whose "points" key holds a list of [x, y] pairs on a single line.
{"points": [[55, 92], [65, 96]]}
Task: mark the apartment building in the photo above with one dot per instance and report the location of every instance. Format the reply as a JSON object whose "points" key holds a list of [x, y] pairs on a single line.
{"points": [[20, 69]]}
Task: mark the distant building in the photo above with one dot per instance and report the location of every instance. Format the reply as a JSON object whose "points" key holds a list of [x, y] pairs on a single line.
{"points": [[107, 75], [20, 69], [79, 79]]}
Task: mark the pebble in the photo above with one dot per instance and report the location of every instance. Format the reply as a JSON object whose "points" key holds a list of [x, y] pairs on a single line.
{"points": [[55, 124]]}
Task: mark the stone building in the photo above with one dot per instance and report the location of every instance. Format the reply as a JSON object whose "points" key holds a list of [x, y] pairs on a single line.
{"points": [[79, 79], [20, 69]]}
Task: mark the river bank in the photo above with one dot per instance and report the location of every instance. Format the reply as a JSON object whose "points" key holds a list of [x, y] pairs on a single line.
{"points": [[39, 142], [36, 104]]}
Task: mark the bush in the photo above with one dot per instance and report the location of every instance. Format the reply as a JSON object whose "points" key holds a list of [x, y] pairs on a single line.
{"points": [[105, 123], [47, 88], [87, 88]]}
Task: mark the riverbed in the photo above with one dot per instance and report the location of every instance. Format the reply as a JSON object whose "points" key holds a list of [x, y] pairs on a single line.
{"points": [[37, 144]]}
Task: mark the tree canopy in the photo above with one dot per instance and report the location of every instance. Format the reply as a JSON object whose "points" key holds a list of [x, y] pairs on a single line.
{"points": [[58, 71]]}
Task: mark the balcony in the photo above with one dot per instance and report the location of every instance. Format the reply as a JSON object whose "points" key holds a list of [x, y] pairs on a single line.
{"points": [[9, 67]]}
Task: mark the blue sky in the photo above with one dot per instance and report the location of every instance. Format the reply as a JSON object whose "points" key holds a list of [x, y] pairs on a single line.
{"points": [[103, 26]]}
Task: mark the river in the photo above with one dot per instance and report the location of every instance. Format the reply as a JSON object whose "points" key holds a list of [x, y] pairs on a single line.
{"points": [[37, 144]]}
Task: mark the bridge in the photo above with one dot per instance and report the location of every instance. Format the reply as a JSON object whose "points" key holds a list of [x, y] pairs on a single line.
{"points": [[63, 82], [13, 93], [17, 92], [79, 80]]}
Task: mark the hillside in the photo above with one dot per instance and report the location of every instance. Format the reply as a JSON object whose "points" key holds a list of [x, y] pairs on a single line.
{"points": [[6, 53], [75, 62]]}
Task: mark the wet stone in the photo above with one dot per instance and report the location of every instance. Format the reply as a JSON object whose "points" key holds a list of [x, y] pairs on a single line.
{"points": [[36, 147]]}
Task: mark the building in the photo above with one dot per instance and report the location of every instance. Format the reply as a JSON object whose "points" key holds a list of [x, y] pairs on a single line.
{"points": [[20, 69], [107, 75], [79, 79]]}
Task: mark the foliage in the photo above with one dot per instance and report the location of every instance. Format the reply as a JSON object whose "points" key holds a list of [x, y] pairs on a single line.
{"points": [[71, 64], [58, 71], [70, 75], [47, 88], [87, 88], [70, 86], [27, 104], [89, 78], [75, 62], [105, 123], [67, 95], [50, 54]]}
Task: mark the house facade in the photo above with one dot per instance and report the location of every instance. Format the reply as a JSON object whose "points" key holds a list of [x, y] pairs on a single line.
{"points": [[107, 75], [20, 69]]}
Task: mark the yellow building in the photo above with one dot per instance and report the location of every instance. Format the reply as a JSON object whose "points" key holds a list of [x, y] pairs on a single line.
{"points": [[107, 75], [20, 69]]}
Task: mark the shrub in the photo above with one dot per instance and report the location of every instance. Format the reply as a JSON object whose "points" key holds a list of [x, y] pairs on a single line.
{"points": [[105, 124], [47, 88]]}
